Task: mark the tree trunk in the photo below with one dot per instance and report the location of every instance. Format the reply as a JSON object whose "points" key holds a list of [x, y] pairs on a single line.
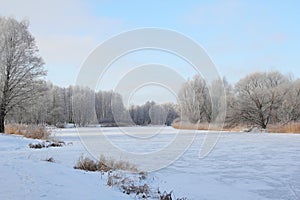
{"points": [[2, 122]]}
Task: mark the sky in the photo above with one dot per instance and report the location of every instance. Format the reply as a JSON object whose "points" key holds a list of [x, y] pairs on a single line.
{"points": [[240, 37]]}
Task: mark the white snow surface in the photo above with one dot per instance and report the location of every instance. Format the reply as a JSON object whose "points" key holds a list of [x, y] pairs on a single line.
{"points": [[242, 166]]}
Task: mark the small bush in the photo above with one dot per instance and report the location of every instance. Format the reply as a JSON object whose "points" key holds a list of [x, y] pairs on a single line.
{"points": [[29, 131], [86, 164], [46, 144], [165, 196], [140, 190], [168, 196], [56, 144], [130, 185], [117, 165], [37, 146], [104, 165]]}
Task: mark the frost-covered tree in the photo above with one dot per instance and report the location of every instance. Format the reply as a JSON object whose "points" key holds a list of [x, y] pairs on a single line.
{"points": [[140, 114], [21, 67], [158, 114], [83, 100], [259, 96], [194, 100], [219, 90], [290, 107], [109, 107], [171, 111], [33, 112], [153, 113]]}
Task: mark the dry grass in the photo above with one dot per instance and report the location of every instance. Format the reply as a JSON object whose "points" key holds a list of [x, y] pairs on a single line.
{"points": [[293, 127], [29, 131], [118, 165], [104, 165], [205, 126], [288, 128], [190, 126], [86, 164]]}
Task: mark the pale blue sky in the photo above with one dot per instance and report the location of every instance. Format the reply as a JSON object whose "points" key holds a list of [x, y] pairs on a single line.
{"points": [[240, 36]]}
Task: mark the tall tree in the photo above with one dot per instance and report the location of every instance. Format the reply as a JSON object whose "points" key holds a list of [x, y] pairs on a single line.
{"points": [[83, 101], [290, 108], [20, 66], [259, 96], [195, 101]]}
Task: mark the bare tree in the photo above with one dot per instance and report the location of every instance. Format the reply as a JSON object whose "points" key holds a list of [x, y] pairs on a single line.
{"points": [[259, 96], [83, 103], [153, 113], [195, 102], [158, 114], [172, 113], [109, 107], [290, 108], [20, 66]]}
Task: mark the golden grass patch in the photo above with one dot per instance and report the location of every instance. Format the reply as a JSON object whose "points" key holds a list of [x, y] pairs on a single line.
{"points": [[29, 131]]}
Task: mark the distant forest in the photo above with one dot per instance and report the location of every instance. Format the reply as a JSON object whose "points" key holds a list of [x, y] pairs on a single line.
{"points": [[83, 106]]}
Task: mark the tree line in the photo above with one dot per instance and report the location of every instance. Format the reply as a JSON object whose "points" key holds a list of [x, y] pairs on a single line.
{"points": [[82, 106], [258, 99]]}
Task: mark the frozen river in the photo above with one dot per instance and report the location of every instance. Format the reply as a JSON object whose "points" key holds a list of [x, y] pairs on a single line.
{"points": [[240, 166]]}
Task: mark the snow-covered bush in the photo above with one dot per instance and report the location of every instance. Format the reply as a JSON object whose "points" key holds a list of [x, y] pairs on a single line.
{"points": [[46, 144]]}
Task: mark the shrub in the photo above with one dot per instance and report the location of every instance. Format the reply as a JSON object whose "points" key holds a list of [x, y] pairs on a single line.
{"points": [[130, 185], [104, 165], [86, 164], [139, 190], [165, 196], [37, 146], [55, 144], [29, 131], [117, 165], [46, 144]]}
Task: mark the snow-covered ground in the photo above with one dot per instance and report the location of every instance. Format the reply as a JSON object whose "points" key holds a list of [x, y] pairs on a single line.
{"points": [[24, 174], [241, 166]]}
